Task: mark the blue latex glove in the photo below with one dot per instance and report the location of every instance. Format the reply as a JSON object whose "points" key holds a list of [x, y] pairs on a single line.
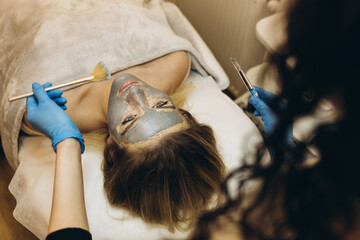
{"points": [[46, 116], [267, 115], [56, 96]]}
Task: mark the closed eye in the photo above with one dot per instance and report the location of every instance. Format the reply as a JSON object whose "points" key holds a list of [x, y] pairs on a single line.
{"points": [[160, 104], [128, 119]]}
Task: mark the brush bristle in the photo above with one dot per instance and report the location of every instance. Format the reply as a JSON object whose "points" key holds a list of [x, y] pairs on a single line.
{"points": [[236, 64], [100, 72]]}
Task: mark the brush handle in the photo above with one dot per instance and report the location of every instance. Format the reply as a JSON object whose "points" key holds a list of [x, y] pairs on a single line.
{"points": [[81, 80]]}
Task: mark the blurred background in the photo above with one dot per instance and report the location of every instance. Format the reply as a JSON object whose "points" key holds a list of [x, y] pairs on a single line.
{"points": [[228, 28]]}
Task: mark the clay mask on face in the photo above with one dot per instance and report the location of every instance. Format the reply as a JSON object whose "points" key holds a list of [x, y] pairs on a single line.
{"points": [[137, 111]]}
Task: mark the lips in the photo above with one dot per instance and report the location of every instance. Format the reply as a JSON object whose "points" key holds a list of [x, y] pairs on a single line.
{"points": [[127, 84]]}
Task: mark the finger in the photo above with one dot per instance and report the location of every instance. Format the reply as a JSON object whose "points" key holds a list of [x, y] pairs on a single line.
{"points": [[256, 113], [256, 102], [54, 93], [266, 96], [30, 103], [39, 92], [63, 107], [60, 101], [260, 105], [46, 85]]}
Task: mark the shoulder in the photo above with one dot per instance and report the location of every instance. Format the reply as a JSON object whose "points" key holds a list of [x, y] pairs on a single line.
{"points": [[165, 73], [173, 69]]}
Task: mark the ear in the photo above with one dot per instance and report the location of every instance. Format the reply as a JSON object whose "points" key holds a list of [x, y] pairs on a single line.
{"points": [[110, 150], [110, 139]]}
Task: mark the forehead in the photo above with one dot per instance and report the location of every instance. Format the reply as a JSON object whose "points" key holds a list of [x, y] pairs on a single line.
{"points": [[152, 123], [154, 140]]}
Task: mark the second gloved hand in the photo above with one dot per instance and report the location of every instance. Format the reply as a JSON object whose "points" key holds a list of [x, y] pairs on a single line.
{"points": [[267, 115], [46, 116]]}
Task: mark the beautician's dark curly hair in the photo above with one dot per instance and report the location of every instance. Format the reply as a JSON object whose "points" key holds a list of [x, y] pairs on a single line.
{"points": [[170, 183], [296, 199]]}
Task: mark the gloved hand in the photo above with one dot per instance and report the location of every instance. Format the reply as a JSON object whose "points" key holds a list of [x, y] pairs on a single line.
{"points": [[47, 116], [56, 96], [267, 115]]}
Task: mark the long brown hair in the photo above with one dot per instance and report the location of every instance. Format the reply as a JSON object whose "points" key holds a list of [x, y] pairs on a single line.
{"points": [[170, 183]]}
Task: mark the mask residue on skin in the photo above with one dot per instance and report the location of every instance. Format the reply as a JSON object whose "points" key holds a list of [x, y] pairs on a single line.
{"points": [[148, 110]]}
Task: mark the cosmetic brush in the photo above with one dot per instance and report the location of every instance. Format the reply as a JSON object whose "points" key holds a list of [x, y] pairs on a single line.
{"points": [[243, 77], [99, 73]]}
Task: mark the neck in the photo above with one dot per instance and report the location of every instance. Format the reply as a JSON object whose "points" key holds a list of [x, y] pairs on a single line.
{"points": [[90, 101], [87, 104]]}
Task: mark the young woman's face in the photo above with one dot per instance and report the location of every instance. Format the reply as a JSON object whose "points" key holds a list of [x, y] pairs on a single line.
{"points": [[137, 111]]}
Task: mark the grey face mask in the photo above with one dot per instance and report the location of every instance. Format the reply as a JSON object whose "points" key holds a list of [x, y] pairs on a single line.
{"points": [[137, 111]]}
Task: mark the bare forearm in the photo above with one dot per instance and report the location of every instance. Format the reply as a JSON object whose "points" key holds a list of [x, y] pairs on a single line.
{"points": [[68, 207]]}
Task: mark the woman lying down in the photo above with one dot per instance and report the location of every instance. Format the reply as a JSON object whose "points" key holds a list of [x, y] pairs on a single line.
{"points": [[159, 162]]}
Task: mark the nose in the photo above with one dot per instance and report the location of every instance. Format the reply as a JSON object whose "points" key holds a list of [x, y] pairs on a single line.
{"points": [[136, 97]]}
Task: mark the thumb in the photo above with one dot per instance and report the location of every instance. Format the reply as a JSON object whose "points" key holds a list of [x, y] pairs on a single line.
{"points": [[266, 96], [39, 92]]}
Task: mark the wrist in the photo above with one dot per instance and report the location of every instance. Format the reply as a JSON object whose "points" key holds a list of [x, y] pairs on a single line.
{"points": [[66, 134], [70, 144]]}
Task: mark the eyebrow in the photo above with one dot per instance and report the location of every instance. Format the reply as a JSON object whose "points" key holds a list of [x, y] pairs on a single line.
{"points": [[171, 107]]}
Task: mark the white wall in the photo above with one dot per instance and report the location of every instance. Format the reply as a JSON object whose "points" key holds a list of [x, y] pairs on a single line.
{"points": [[228, 27]]}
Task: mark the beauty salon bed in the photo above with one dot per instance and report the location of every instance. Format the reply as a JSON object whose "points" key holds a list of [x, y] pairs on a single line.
{"points": [[33, 157]]}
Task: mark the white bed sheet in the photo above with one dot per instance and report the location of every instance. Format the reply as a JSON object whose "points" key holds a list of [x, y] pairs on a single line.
{"points": [[32, 184]]}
